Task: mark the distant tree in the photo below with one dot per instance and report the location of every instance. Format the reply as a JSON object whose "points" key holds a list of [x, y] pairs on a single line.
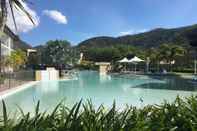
{"points": [[33, 60], [154, 56], [56, 52], [109, 54], [170, 52]]}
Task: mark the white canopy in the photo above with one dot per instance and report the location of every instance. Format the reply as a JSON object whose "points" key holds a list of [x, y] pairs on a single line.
{"points": [[135, 60], [124, 60]]}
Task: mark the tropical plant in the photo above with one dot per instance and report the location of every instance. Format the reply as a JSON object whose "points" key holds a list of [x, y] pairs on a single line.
{"points": [[5, 4], [180, 115], [17, 59], [154, 56], [170, 53]]}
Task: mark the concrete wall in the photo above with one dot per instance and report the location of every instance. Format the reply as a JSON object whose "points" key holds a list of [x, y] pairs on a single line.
{"points": [[46, 75]]}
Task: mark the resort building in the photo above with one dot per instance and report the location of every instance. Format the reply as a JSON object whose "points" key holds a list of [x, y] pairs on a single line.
{"points": [[9, 42]]}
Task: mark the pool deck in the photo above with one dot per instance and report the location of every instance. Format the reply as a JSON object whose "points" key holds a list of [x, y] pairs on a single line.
{"points": [[186, 75], [8, 92]]}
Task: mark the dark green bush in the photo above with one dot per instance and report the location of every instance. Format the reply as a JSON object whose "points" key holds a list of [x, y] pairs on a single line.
{"points": [[180, 115]]}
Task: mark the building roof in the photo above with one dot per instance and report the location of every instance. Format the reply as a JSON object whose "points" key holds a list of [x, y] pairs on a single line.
{"points": [[9, 32]]}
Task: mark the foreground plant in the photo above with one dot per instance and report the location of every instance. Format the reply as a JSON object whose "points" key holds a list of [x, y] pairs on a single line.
{"points": [[181, 115]]}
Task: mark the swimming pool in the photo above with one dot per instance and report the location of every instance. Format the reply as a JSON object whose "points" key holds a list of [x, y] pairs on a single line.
{"points": [[124, 89]]}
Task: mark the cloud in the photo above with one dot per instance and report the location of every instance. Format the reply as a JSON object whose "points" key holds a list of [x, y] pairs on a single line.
{"points": [[56, 15], [24, 24], [132, 32]]}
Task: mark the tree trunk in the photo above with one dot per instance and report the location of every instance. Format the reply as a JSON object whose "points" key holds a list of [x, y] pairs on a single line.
{"points": [[3, 13], [3, 19]]}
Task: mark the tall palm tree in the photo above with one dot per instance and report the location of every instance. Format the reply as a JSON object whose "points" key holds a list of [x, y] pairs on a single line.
{"points": [[176, 52], [170, 52], [154, 57], [5, 5]]}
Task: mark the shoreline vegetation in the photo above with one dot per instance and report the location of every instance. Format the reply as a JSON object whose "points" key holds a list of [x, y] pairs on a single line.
{"points": [[180, 115]]}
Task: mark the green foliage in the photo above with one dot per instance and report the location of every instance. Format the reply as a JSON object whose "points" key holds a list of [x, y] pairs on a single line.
{"points": [[154, 38], [180, 42], [17, 59], [180, 115], [55, 52], [109, 54], [86, 65], [10, 5]]}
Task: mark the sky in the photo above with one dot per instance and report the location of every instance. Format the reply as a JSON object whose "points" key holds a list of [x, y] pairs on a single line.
{"points": [[78, 20]]}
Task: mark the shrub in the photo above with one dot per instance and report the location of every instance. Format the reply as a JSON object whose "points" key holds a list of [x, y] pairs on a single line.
{"points": [[180, 115]]}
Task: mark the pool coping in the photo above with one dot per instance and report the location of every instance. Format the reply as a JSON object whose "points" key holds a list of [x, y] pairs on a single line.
{"points": [[14, 90]]}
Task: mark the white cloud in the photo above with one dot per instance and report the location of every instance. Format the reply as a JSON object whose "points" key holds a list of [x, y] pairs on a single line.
{"points": [[56, 15], [24, 24], [132, 32]]}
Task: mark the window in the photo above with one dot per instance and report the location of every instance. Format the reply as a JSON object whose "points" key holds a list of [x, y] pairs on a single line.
{"points": [[5, 51]]}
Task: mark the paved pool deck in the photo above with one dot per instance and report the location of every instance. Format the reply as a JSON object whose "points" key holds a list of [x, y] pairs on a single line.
{"points": [[186, 75], [8, 92]]}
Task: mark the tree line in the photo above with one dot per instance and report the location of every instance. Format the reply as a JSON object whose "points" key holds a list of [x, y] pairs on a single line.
{"points": [[170, 54]]}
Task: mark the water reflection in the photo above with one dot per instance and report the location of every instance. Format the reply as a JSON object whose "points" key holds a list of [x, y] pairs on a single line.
{"points": [[171, 83], [104, 78], [48, 87]]}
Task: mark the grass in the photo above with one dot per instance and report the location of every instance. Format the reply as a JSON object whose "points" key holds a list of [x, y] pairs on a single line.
{"points": [[180, 115]]}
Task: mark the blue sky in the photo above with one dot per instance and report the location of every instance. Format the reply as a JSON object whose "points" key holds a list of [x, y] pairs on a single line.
{"points": [[84, 19]]}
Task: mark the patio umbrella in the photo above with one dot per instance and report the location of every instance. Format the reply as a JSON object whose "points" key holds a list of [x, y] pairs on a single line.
{"points": [[124, 60], [135, 60]]}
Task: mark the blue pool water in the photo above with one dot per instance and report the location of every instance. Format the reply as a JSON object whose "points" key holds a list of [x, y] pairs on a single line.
{"points": [[124, 89]]}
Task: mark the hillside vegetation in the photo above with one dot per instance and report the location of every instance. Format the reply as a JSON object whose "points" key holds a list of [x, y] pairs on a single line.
{"points": [[154, 38]]}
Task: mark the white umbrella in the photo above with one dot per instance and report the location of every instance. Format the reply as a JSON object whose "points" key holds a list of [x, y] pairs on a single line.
{"points": [[124, 60], [135, 60]]}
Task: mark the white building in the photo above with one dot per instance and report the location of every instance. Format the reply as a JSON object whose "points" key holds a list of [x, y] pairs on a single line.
{"points": [[9, 42], [7, 39]]}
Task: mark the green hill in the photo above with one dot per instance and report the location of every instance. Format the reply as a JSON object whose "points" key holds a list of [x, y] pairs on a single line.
{"points": [[154, 38]]}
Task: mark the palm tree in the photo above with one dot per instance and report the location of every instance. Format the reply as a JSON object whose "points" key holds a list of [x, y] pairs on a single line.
{"points": [[4, 5], [176, 52], [170, 52], [154, 56]]}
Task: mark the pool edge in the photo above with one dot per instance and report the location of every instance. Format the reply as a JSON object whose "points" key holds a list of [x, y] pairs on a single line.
{"points": [[12, 91]]}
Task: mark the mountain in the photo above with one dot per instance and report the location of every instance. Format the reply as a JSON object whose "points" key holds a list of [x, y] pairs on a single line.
{"points": [[154, 38], [19, 44]]}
